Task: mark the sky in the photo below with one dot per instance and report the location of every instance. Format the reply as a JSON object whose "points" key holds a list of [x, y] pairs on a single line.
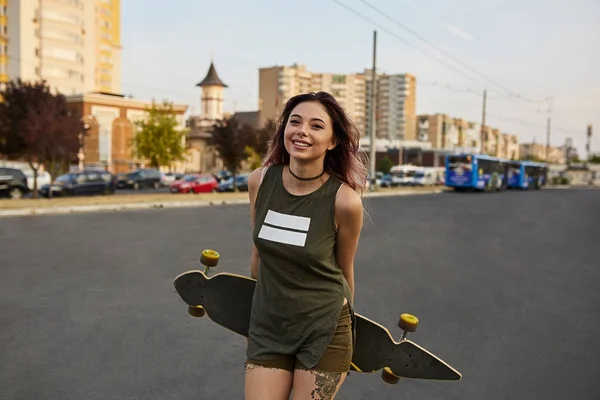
{"points": [[535, 58]]}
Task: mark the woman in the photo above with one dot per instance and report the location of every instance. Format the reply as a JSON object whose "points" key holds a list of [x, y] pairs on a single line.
{"points": [[307, 216]]}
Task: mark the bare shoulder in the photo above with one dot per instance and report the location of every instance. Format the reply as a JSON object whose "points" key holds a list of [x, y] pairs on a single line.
{"points": [[348, 203], [254, 178]]}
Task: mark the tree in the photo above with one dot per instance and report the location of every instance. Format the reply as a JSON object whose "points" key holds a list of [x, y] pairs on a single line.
{"points": [[231, 141], [51, 135], [157, 138], [254, 158], [385, 164], [36, 125], [594, 159], [259, 147], [532, 158], [263, 138]]}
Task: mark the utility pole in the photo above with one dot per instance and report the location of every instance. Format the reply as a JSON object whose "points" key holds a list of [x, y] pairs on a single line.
{"points": [[373, 112], [548, 140], [548, 130], [482, 139], [588, 145]]}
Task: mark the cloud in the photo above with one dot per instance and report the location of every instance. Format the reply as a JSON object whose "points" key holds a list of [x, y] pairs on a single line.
{"points": [[460, 32]]}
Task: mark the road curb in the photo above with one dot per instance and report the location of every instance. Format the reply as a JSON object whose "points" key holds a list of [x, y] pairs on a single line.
{"points": [[19, 212]]}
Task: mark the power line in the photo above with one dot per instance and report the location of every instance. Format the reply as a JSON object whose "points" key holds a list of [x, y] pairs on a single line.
{"points": [[449, 55], [405, 42]]}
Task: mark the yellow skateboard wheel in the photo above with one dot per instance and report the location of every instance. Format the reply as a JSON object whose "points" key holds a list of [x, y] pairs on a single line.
{"points": [[388, 376], [197, 311], [209, 258], [408, 322]]}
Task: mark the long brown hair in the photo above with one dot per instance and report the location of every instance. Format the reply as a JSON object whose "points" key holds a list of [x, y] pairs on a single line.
{"points": [[345, 162]]}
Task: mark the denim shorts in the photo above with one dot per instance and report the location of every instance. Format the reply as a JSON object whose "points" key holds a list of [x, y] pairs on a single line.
{"points": [[337, 356]]}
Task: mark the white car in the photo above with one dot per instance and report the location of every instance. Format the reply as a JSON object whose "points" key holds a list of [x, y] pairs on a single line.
{"points": [[43, 178], [168, 178]]}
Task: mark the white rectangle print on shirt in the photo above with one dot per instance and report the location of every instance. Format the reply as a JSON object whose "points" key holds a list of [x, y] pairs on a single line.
{"points": [[281, 232]]}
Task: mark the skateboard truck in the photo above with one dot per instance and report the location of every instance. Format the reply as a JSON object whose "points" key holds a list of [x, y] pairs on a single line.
{"points": [[408, 323], [210, 259]]}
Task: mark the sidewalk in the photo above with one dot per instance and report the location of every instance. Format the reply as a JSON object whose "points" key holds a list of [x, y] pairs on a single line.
{"points": [[25, 207]]}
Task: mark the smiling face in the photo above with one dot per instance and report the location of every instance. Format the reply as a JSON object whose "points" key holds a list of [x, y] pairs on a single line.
{"points": [[308, 133]]}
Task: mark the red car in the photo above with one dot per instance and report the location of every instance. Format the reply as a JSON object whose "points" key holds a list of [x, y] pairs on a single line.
{"points": [[195, 183]]}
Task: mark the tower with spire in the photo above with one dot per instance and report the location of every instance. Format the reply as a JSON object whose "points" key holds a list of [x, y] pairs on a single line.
{"points": [[212, 96]]}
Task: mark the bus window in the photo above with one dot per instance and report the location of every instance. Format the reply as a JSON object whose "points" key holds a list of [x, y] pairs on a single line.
{"points": [[463, 163], [485, 166]]}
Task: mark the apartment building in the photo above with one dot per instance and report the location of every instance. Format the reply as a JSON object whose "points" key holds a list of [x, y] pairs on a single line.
{"points": [[108, 46], [75, 45], [447, 133], [555, 155], [279, 83], [508, 147], [443, 131], [396, 106], [349, 90], [3, 43]]}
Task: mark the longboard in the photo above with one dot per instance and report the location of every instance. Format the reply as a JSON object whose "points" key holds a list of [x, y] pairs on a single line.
{"points": [[227, 300]]}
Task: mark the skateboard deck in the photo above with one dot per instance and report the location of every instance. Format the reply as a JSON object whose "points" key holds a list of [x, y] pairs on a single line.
{"points": [[227, 300]]}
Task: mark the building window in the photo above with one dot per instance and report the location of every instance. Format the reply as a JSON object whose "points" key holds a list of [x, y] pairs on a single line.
{"points": [[61, 17], [62, 54], [62, 35]]}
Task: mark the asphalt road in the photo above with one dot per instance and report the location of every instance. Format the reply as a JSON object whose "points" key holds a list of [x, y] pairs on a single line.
{"points": [[506, 287]]}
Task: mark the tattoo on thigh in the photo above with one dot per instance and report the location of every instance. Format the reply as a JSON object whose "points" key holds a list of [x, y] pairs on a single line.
{"points": [[327, 383]]}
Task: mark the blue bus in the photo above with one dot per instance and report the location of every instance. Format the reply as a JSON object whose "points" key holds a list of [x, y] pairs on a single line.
{"points": [[476, 172], [527, 175]]}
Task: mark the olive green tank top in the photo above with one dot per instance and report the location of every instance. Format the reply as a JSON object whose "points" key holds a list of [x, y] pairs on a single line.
{"points": [[300, 289]]}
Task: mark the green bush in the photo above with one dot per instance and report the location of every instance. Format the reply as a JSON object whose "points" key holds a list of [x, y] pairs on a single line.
{"points": [[560, 180]]}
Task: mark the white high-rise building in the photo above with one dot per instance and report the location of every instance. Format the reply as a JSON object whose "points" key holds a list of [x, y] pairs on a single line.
{"points": [[72, 44], [396, 107]]}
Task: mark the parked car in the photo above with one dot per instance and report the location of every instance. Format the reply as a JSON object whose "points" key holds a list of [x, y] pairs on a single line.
{"points": [[84, 183], [43, 178], [386, 181], [169, 177], [241, 184], [195, 183], [222, 175], [142, 178], [13, 183]]}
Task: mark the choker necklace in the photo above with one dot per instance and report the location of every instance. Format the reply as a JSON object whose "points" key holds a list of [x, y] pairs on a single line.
{"points": [[306, 179]]}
